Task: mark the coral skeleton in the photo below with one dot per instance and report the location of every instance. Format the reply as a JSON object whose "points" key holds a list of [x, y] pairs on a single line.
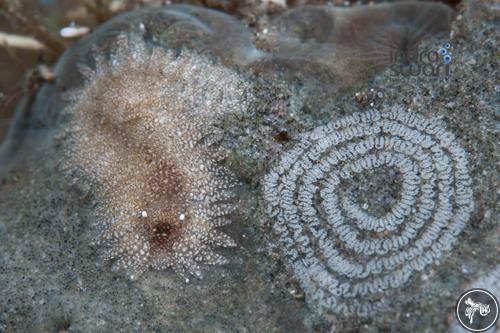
{"points": [[346, 258], [142, 133]]}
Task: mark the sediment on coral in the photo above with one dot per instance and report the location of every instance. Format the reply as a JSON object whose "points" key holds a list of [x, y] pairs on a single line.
{"points": [[142, 133], [346, 257]]}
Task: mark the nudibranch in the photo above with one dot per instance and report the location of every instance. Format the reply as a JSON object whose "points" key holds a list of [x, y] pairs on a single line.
{"points": [[142, 133]]}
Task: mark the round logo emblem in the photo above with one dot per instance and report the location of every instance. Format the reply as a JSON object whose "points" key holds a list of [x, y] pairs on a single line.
{"points": [[477, 310]]}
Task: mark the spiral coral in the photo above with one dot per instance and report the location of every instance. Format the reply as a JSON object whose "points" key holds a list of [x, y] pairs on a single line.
{"points": [[347, 258], [142, 133]]}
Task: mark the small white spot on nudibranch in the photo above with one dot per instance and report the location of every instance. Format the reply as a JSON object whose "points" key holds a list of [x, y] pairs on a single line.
{"points": [[144, 214], [181, 217]]}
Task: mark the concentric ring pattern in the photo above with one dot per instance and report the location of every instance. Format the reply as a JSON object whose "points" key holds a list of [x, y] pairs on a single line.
{"points": [[346, 258]]}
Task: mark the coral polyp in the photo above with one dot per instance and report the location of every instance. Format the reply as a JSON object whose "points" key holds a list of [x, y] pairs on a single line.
{"points": [[142, 133], [348, 257]]}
